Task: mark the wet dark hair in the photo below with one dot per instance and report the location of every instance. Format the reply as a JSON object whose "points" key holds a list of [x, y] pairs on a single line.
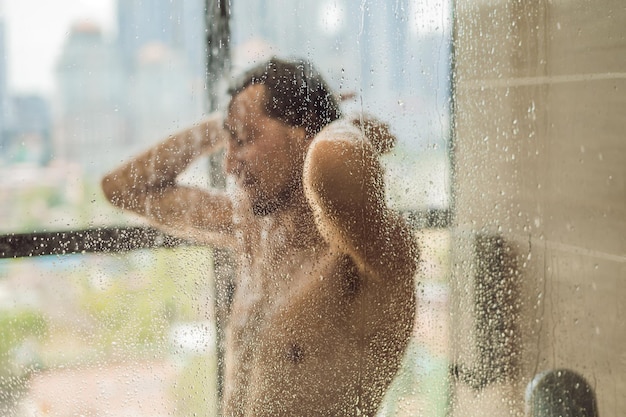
{"points": [[296, 93]]}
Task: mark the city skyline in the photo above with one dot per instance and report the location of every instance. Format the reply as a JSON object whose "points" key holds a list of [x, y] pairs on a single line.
{"points": [[112, 93], [159, 87], [32, 56]]}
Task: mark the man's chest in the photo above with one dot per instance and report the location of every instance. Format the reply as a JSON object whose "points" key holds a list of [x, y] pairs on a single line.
{"points": [[284, 291], [270, 279]]}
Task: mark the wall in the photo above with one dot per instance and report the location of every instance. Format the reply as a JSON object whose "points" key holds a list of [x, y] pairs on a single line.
{"points": [[540, 205]]}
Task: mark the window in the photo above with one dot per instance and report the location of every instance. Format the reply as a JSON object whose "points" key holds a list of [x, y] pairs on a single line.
{"points": [[130, 329]]}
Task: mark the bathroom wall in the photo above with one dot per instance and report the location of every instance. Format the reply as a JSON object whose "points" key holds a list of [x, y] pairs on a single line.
{"points": [[539, 152]]}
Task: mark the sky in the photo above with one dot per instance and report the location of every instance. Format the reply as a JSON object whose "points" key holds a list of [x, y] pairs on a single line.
{"points": [[36, 30]]}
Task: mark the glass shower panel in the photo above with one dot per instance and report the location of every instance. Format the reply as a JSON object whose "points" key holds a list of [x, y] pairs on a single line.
{"points": [[134, 332], [84, 85], [391, 60]]}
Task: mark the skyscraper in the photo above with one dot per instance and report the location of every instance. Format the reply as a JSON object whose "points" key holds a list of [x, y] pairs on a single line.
{"points": [[162, 96], [180, 25], [29, 135], [162, 45], [92, 105]]}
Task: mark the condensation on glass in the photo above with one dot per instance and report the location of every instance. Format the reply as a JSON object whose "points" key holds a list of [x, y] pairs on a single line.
{"points": [[129, 331]]}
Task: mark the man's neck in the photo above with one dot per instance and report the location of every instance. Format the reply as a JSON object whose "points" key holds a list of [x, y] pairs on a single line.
{"points": [[295, 218]]}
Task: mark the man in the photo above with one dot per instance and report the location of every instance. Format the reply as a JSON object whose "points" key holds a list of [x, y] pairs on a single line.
{"points": [[324, 302]]}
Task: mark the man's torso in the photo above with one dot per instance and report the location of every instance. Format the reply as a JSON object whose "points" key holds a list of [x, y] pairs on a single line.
{"points": [[308, 333]]}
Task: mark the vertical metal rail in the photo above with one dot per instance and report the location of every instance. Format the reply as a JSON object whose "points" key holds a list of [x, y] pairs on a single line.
{"points": [[217, 47], [218, 66]]}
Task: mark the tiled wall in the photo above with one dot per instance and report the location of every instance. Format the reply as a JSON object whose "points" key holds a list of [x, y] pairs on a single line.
{"points": [[540, 162]]}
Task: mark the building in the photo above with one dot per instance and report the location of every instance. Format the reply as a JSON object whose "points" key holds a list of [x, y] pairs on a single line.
{"points": [[163, 95], [27, 136], [179, 25], [92, 109]]}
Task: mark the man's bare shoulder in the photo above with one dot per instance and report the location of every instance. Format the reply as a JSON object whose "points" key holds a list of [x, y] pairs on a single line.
{"points": [[360, 130], [344, 183], [339, 162]]}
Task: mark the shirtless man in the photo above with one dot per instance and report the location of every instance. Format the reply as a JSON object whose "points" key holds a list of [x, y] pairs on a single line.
{"points": [[324, 301]]}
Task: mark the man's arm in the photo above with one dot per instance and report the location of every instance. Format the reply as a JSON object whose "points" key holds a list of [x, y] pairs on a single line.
{"points": [[344, 184], [147, 186]]}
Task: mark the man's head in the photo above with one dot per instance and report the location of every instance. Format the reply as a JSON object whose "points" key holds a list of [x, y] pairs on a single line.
{"points": [[295, 93], [275, 109]]}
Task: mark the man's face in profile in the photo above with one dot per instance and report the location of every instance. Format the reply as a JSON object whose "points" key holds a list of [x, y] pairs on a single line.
{"points": [[264, 154]]}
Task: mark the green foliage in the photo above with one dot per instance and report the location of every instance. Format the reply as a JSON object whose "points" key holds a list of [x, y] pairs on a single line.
{"points": [[61, 205], [134, 319], [16, 327], [32, 205], [196, 388], [152, 289]]}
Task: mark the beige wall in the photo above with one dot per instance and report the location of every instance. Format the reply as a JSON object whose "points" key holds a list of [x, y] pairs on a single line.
{"points": [[540, 161]]}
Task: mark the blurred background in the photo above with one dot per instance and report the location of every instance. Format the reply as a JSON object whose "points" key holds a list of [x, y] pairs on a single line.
{"points": [[86, 84], [509, 165]]}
